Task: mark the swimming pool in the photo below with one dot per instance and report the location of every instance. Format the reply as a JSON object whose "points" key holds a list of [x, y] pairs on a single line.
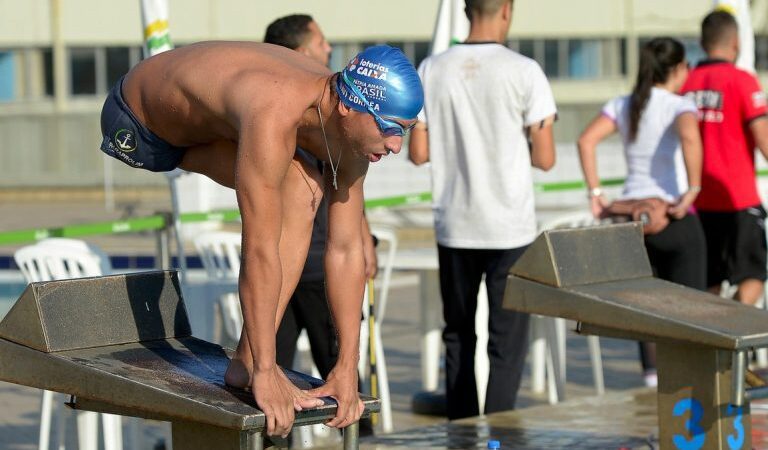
{"points": [[12, 284]]}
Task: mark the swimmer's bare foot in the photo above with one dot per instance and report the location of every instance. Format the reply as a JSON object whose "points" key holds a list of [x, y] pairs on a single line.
{"points": [[238, 375]]}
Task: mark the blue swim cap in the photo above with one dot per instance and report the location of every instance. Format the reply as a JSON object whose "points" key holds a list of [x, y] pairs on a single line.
{"points": [[388, 81]]}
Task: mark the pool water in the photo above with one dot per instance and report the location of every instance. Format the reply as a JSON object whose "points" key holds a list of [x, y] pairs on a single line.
{"points": [[11, 287]]}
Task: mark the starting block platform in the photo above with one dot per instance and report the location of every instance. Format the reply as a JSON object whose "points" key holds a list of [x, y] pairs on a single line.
{"points": [[601, 277], [122, 345]]}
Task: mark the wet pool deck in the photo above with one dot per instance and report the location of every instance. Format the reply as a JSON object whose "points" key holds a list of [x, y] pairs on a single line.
{"points": [[619, 420], [614, 421]]}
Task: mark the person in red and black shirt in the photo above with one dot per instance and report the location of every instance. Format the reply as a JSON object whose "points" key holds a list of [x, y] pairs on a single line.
{"points": [[732, 121]]}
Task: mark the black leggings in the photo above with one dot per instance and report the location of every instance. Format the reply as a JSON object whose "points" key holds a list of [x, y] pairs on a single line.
{"points": [[308, 309], [677, 254]]}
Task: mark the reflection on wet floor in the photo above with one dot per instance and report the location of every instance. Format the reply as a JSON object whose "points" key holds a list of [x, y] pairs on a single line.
{"points": [[614, 421], [623, 420]]}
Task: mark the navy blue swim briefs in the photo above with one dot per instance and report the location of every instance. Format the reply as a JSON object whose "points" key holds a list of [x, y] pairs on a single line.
{"points": [[128, 140]]}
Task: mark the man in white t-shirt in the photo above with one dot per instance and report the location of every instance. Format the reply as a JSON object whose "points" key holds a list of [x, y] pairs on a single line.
{"points": [[487, 118]]}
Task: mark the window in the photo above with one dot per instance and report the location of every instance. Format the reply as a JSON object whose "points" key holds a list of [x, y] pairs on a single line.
{"points": [[575, 58], [119, 62], [341, 54], [420, 52], [29, 74], [82, 71], [761, 53], [22, 74], [693, 51], [584, 59], [92, 71], [552, 58], [7, 76], [415, 51], [623, 59], [526, 48], [48, 71]]}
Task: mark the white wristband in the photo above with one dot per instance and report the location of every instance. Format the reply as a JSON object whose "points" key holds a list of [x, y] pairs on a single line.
{"points": [[595, 192]]}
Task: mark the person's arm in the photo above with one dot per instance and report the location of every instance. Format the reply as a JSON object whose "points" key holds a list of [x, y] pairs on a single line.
{"points": [[759, 130], [369, 251], [754, 109], [345, 284], [265, 152], [600, 128], [688, 129], [542, 144], [418, 145]]}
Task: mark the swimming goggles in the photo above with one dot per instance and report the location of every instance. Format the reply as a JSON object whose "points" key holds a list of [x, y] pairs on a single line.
{"points": [[386, 126]]}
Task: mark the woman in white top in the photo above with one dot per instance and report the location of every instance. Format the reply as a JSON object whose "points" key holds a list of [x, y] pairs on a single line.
{"points": [[662, 146]]}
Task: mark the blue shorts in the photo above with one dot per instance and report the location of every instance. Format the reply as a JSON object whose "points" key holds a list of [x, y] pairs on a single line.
{"points": [[128, 140]]}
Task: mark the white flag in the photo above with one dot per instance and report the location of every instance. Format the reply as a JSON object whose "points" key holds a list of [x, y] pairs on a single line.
{"points": [[154, 21], [741, 10], [451, 27]]}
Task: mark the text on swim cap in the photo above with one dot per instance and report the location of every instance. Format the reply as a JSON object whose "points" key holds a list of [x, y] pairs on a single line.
{"points": [[352, 97], [373, 92], [372, 70], [356, 100]]}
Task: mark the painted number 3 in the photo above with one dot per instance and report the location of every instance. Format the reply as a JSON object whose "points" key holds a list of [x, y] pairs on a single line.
{"points": [[692, 425]]}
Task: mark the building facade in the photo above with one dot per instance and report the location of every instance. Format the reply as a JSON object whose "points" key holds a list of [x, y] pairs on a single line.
{"points": [[58, 58]]}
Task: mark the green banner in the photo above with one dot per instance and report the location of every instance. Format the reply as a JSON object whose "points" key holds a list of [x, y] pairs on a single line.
{"points": [[574, 185], [158, 222], [91, 229]]}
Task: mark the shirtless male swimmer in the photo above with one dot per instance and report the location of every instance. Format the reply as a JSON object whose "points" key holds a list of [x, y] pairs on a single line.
{"points": [[235, 112]]}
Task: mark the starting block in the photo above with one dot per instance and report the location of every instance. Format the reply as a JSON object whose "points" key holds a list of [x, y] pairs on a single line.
{"points": [[601, 278], [123, 345]]}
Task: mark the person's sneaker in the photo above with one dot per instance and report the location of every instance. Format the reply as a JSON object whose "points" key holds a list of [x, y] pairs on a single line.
{"points": [[651, 379]]}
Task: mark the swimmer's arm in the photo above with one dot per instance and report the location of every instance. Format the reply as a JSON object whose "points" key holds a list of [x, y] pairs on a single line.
{"points": [[542, 144], [345, 264], [418, 145], [258, 179], [345, 281]]}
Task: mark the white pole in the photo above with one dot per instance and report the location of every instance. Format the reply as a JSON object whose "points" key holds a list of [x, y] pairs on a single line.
{"points": [[61, 75], [109, 185], [154, 17], [741, 10], [157, 39], [451, 26]]}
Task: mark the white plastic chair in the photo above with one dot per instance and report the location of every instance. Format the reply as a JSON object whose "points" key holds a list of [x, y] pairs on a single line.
{"points": [[388, 235], [548, 335], [57, 259], [220, 255]]}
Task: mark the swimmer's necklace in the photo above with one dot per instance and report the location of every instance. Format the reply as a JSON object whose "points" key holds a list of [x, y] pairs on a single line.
{"points": [[334, 169]]}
